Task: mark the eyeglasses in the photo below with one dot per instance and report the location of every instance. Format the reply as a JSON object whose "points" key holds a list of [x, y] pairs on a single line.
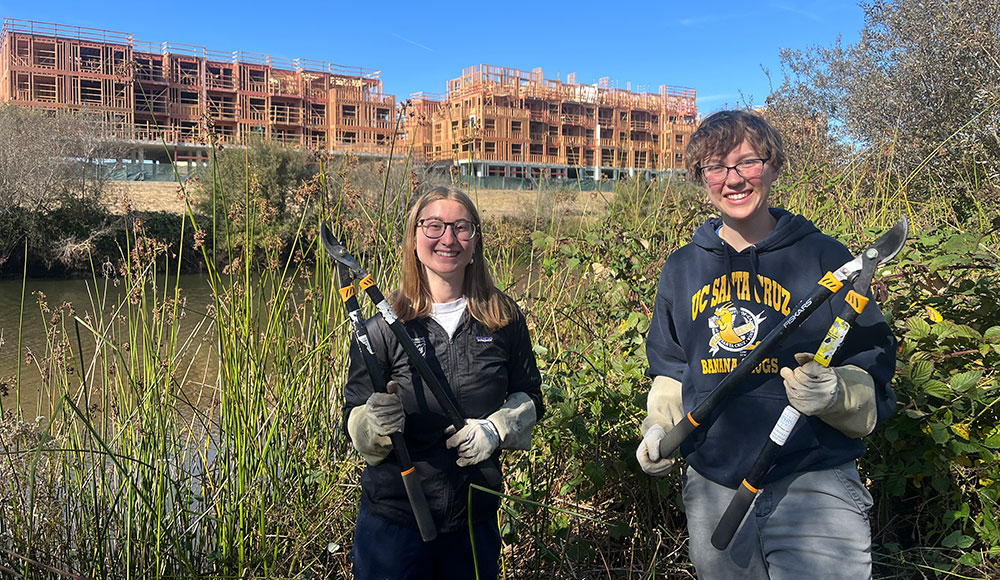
{"points": [[464, 230], [748, 168]]}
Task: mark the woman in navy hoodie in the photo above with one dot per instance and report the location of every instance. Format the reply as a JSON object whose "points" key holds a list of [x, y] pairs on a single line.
{"points": [[717, 297]]}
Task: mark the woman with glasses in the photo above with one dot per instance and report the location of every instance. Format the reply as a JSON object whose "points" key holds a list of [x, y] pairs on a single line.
{"points": [[476, 341], [718, 296]]}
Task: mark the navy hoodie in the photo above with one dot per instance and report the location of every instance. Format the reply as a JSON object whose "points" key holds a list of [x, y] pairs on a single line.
{"points": [[713, 305]]}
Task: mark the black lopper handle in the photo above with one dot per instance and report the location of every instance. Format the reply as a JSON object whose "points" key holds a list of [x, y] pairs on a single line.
{"points": [[411, 481], [733, 517], [676, 436]]}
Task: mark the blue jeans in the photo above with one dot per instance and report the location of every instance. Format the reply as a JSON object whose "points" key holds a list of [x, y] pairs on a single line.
{"points": [[808, 525], [384, 551]]}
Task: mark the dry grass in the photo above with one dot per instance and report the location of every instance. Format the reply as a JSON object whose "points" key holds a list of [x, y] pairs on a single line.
{"points": [[144, 196], [492, 203]]}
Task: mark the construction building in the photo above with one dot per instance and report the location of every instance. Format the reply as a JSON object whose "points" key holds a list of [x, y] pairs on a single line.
{"points": [[174, 101], [188, 97], [497, 121]]}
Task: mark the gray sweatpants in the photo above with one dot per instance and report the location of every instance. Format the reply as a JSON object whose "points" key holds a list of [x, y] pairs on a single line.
{"points": [[808, 525]]}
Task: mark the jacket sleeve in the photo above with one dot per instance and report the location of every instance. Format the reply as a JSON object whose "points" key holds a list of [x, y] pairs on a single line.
{"points": [[663, 350]]}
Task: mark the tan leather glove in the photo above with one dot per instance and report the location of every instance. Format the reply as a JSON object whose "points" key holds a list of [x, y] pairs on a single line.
{"points": [[843, 397], [476, 441], [665, 409], [372, 446]]}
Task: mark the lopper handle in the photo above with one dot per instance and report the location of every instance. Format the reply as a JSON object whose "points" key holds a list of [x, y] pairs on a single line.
{"points": [[733, 516], [411, 482], [418, 501], [676, 436]]}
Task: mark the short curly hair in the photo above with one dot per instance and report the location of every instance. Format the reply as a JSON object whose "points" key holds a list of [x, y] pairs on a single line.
{"points": [[722, 132]]}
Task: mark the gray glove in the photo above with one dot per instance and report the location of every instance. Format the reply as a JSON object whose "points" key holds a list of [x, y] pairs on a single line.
{"points": [[476, 441], [370, 425], [851, 409], [385, 413], [665, 408], [514, 420], [812, 388]]}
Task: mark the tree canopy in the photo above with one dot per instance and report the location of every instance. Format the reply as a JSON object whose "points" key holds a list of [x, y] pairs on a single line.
{"points": [[919, 89]]}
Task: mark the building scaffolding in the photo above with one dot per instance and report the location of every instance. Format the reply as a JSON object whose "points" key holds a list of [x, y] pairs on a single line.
{"points": [[497, 121], [189, 96], [493, 121]]}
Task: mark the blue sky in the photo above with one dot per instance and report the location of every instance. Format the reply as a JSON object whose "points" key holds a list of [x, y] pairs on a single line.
{"points": [[718, 48]]}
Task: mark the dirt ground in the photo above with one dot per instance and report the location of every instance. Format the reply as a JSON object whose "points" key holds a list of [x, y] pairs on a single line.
{"points": [[165, 196]]}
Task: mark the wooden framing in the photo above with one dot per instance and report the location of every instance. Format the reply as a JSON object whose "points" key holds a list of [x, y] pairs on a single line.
{"points": [[189, 95], [504, 121], [492, 120]]}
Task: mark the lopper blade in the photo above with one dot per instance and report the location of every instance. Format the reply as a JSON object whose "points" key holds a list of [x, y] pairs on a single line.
{"points": [[338, 252], [889, 243]]}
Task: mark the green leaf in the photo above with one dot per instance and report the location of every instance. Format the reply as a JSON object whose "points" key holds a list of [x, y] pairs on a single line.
{"points": [[620, 530], [920, 371], [992, 335], [971, 559], [643, 325], [939, 432], [919, 328], [993, 441], [595, 473], [964, 381], [937, 389], [951, 540]]}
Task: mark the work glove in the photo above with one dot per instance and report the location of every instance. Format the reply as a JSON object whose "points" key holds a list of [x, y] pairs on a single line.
{"points": [[370, 425], [843, 397], [812, 388], [514, 420], [648, 452], [665, 408], [476, 441], [385, 412]]}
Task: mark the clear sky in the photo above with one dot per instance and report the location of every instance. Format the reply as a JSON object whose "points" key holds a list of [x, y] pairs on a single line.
{"points": [[719, 48]]}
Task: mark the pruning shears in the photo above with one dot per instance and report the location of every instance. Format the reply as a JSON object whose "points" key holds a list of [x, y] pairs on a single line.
{"points": [[884, 249], [860, 271]]}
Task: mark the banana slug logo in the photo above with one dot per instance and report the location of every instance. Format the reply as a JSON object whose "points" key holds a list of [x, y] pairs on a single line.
{"points": [[726, 335]]}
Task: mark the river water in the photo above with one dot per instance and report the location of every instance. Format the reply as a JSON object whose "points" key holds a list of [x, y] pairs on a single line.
{"points": [[29, 391]]}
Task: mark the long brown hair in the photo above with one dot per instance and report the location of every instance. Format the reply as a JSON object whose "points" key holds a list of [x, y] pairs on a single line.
{"points": [[485, 302]]}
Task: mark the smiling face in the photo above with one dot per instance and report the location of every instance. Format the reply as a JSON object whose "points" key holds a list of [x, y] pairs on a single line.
{"points": [[444, 259], [741, 200]]}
